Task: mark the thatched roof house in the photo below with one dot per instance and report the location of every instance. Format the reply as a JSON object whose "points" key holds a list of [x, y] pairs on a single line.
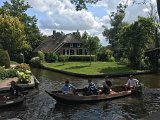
{"points": [[66, 44]]}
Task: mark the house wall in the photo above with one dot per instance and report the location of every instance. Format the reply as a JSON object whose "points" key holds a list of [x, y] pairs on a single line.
{"points": [[72, 49]]}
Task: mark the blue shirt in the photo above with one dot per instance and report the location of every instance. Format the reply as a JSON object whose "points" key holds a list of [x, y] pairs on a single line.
{"points": [[92, 88], [66, 88]]}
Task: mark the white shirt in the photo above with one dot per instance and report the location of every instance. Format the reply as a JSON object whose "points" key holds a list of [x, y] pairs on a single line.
{"points": [[132, 82]]}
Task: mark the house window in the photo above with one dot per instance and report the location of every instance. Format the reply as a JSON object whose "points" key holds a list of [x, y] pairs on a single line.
{"points": [[64, 51], [71, 52], [80, 51], [71, 44], [78, 44]]}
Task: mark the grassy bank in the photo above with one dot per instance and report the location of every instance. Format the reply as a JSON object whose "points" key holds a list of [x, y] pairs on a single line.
{"points": [[95, 68]]}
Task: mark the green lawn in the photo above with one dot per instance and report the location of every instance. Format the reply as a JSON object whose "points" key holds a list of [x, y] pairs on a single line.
{"points": [[95, 68]]}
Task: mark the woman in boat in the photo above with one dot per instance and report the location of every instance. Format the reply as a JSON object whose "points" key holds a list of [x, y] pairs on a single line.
{"points": [[107, 86], [92, 89], [68, 88], [131, 83]]}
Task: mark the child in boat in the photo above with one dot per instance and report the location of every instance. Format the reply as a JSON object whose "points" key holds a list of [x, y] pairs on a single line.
{"points": [[92, 89], [68, 88], [131, 83], [107, 86]]}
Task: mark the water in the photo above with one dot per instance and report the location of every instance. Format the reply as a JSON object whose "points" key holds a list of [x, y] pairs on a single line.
{"points": [[40, 106]]}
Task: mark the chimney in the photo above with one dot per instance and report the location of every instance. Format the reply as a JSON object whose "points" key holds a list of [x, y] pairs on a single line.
{"points": [[54, 31]]}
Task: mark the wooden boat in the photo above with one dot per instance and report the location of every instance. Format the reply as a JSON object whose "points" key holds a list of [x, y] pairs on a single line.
{"points": [[81, 97], [15, 101]]}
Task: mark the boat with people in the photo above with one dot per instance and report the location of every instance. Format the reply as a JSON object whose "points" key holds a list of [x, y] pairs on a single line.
{"points": [[81, 94], [11, 102]]}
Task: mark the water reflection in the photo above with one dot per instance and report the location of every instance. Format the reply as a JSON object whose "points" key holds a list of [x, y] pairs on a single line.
{"points": [[40, 106]]}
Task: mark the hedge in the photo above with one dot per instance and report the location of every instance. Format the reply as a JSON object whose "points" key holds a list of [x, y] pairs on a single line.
{"points": [[76, 58]]}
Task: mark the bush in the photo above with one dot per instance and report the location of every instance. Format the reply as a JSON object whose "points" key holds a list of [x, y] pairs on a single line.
{"points": [[63, 58], [22, 67], [20, 58], [51, 57], [77, 57], [111, 59], [124, 61], [41, 55], [105, 55], [9, 73], [23, 78], [4, 58], [35, 62]]}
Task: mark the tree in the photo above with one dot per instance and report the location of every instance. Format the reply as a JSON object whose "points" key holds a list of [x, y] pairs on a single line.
{"points": [[92, 43], [18, 8], [81, 4], [12, 35], [117, 23], [136, 38]]}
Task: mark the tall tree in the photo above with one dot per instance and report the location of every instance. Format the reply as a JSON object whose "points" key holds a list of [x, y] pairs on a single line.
{"points": [[92, 43], [117, 23], [12, 35], [18, 8], [136, 38]]}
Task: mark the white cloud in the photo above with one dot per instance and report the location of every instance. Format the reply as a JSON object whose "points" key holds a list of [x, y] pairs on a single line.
{"points": [[60, 15]]}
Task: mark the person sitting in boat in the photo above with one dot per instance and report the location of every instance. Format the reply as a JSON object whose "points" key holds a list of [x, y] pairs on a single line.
{"points": [[107, 84], [15, 90], [131, 83], [92, 89], [68, 88]]}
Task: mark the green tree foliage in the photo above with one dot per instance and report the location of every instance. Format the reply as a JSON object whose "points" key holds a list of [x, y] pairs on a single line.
{"points": [[81, 4], [41, 55], [18, 8], [136, 38], [92, 43], [105, 54], [4, 59], [20, 58], [117, 23], [12, 35]]}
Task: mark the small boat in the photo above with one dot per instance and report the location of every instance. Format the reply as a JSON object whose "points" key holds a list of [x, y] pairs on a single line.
{"points": [[81, 96], [14, 101]]}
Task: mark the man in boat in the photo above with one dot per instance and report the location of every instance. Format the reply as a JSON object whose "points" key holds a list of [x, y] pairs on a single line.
{"points": [[131, 83], [15, 90], [107, 84], [68, 88], [92, 89]]}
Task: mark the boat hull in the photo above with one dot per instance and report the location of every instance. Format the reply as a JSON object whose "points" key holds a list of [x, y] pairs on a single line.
{"points": [[120, 91], [11, 102]]}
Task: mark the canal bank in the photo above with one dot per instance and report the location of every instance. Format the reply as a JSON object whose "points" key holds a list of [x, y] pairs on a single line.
{"points": [[119, 74]]}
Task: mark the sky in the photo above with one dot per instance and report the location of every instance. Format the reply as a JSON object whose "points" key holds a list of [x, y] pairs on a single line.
{"points": [[60, 15]]}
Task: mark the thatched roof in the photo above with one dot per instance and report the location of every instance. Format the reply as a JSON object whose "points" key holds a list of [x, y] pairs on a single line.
{"points": [[54, 42]]}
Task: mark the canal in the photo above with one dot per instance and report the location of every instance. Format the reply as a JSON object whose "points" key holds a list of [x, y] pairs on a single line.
{"points": [[40, 106]]}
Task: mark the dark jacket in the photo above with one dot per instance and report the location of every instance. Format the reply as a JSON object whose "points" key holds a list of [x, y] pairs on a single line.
{"points": [[15, 90]]}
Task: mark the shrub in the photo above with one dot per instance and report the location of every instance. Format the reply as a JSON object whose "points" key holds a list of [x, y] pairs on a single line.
{"points": [[23, 77], [22, 67], [4, 59], [124, 61], [35, 62], [8, 73], [51, 57], [41, 56], [63, 58], [105, 55], [77, 57], [20, 58]]}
